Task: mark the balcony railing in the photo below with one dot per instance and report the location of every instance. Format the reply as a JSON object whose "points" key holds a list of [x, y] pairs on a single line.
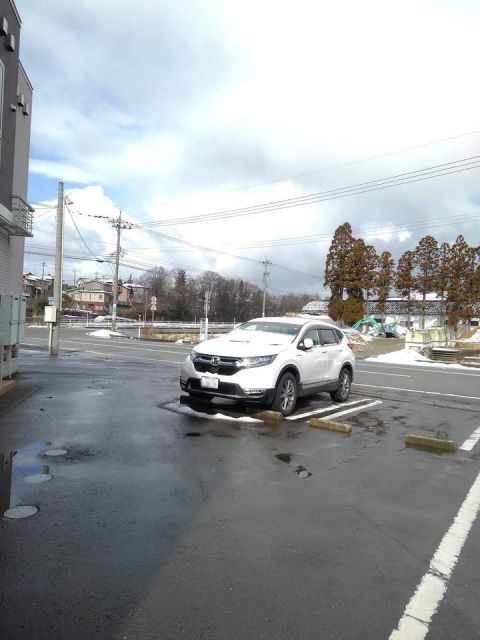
{"points": [[18, 221], [22, 216]]}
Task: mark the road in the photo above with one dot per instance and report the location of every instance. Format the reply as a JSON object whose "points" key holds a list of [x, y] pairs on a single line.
{"points": [[164, 522]]}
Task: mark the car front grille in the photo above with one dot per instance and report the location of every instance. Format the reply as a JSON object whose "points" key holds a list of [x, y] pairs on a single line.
{"points": [[216, 364]]}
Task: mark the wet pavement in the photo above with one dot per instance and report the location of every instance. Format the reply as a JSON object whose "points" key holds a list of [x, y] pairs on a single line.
{"points": [[163, 523]]}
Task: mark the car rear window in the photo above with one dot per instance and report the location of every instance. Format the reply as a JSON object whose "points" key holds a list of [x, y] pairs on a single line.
{"points": [[327, 336]]}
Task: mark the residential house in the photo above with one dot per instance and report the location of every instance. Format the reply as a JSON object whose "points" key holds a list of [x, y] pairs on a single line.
{"points": [[96, 295]]}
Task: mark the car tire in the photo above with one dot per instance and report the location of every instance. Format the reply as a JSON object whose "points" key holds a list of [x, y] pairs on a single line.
{"points": [[286, 394], [344, 385]]}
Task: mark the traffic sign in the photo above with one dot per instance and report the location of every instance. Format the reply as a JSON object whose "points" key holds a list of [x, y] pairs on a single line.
{"points": [[153, 300]]}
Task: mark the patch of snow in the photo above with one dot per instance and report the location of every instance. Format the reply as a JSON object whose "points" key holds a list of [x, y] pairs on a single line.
{"points": [[181, 408], [37, 326], [475, 337], [104, 333], [410, 356]]}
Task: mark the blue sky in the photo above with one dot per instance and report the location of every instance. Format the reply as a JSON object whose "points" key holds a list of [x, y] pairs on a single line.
{"points": [[186, 109]]}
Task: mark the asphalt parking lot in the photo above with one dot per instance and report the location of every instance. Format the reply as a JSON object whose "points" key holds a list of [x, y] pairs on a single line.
{"points": [[173, 520]]}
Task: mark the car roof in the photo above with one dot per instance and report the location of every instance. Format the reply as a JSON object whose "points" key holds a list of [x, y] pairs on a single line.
{"points": [[293, 320]]}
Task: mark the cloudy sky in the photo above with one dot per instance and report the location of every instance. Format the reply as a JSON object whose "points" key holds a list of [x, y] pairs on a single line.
{"points": [[169, 109]]}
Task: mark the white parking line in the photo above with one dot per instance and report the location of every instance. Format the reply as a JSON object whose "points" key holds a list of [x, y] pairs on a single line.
{"points": [[344, 413], [329, 408], [424, 603], [430, 393], [382, 373], [471, 441]]}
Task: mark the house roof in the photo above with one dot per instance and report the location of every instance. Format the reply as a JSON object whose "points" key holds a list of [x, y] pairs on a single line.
{"points": [[393, 306]]}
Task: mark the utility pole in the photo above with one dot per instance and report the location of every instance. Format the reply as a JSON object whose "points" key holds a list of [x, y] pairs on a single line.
{"points": [[43, 276], [207, 309], [118, 224], [118, 227], [74, 276], [266, 263], [54, 342]]}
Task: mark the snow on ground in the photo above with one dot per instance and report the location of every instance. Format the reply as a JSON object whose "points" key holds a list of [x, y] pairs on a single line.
{"points": [[181, 408], [471, 336], [36, 326], [104, 333], [355, 337], [410, 356]]}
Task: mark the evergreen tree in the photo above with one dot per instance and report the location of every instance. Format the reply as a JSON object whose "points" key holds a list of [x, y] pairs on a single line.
{"points": [[425, 259], [384, 280], [461, 282], [404, 279], [336, 263]]}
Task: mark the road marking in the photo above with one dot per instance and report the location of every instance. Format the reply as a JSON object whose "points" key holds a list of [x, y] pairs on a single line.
{"points": [[418, 369], [430, 393], [424, 603], [344, 413], [382, 373], [118, 346], [329, 408], [84, 341], [118, 355], [471, 441]]}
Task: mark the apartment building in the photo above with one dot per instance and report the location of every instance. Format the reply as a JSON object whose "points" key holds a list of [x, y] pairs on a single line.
{"points": [[16, 215]]}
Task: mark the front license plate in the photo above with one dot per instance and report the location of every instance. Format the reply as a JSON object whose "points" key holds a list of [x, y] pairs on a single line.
{"points": [[209, 383]]}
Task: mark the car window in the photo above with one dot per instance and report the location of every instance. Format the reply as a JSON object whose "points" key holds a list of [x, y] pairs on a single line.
{"points": [[339, 335], [313, 334], [327, 336], [283, 328]]}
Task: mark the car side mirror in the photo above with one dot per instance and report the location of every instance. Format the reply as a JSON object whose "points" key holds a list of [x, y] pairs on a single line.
{"points": [[307, 344]]}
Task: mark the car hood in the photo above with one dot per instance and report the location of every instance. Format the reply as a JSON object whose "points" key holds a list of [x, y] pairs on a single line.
{"points": [[240, 346]]}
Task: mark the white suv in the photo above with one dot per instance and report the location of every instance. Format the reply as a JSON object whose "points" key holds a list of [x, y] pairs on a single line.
{"points": [[272, 361]]}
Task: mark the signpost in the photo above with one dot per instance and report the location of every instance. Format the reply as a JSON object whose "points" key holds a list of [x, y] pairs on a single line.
{"points": [[153, 306]]}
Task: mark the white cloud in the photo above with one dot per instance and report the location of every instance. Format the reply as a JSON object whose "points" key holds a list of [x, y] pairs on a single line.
{"points": [[174, 117]]}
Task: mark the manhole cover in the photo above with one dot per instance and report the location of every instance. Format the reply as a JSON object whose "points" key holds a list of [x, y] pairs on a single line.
{"points": [[25, 511], [55, 452], [37, 478]]}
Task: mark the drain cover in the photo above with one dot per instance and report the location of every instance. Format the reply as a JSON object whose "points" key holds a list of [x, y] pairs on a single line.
{"points": [[16, 513], [37, 478], [55, 452]]}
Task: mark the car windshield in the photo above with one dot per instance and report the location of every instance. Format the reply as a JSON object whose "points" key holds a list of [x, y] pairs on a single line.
{"points": [[279, 328]]}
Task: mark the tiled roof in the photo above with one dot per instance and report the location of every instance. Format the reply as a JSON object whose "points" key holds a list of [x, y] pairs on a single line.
{"points": [[394, 306]]}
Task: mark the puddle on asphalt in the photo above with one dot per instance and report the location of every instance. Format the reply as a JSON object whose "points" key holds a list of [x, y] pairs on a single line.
{"points": [[370, 423], [193, 433], [17, 468], [284, 457]]}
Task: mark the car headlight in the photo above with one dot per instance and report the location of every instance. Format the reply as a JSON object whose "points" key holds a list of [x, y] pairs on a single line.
{"points": [[193, 355], [258, 361]]}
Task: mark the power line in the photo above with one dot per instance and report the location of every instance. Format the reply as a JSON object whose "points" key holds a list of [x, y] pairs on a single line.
{"points": [[427, 173], [144, 267]]}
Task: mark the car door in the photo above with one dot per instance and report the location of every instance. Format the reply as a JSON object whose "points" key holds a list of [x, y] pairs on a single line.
{"points": [[312, 362], [333, 350]]}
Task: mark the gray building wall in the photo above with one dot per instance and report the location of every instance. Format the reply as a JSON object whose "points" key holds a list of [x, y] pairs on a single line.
{"points": [[10, 61], [14, 149]]}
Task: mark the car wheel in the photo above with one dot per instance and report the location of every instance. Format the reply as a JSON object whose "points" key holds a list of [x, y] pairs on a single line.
{"points": [[344, 384], [285, 395]]}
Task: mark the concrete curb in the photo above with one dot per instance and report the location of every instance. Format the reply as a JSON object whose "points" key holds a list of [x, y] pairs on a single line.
{"points": [[275, 416], [6, 385], [331, 426], [430, 443]]}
